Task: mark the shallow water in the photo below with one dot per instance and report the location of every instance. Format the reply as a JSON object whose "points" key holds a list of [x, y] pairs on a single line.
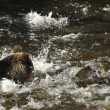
{"points": [[61, 38]]}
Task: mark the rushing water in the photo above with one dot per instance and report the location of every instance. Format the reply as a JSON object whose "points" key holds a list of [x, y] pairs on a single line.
{"points": [[61, 37]]}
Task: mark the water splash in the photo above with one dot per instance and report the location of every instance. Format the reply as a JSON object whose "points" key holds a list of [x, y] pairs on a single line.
{"points": [[107, 8], [2, 108], [40, 63], [8, 85], [37, 21], [34, 104], [5, 50], [15, 108]]}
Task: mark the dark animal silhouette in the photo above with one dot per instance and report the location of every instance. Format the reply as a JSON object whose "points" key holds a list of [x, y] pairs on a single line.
{"points": [[17, 66]]}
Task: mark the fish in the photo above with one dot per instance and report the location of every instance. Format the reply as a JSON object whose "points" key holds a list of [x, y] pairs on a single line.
{"points": [[84, 73]]}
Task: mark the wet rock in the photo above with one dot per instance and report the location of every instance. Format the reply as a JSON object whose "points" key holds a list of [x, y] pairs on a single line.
{"points": [[17, 66]]}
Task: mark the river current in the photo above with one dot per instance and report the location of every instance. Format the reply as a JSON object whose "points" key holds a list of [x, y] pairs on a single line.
{"points": [[61, 37]]}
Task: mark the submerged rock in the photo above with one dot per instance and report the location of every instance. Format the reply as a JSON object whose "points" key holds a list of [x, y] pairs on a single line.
{"points": [[17, 66]]}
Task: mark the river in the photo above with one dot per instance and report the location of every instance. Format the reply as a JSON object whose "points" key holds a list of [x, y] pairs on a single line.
{"points": [[61, 37]]}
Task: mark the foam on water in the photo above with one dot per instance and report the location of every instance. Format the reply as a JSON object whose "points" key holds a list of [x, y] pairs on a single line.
{"points": [[41, 66], [8, 85], [83, 7], [84, 10], [106, 103], [15, 108], [34, 104], [2, 108], [40, 63], [40, 104], [5, 51], [38, 21], [60, 87], [107, 8], [67, 37], [57, 84], [101, 89]]}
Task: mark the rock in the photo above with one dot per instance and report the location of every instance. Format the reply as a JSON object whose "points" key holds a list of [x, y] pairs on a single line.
{"points": [[17, 66]]}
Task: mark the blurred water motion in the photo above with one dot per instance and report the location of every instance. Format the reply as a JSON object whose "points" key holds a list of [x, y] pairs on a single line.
{"points": [[62, 38]]}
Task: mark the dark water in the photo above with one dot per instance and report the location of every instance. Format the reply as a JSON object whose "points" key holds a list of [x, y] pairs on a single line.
{"points": [[61, 37]]}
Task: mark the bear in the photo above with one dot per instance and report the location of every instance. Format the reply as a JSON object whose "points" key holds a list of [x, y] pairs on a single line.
{"points": [[16, 66], [17, 48]]}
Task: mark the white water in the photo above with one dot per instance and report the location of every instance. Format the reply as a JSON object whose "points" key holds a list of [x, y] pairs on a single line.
{"points": [[37, 21], [107, 8], [54, 86]]}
